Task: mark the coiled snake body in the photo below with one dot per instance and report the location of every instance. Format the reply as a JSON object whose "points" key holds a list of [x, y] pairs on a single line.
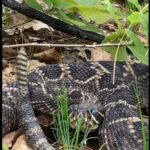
{"points": [[106, 106]]}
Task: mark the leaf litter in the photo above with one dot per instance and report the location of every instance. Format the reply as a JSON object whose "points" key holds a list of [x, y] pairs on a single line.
{"points": [[36, 31]]}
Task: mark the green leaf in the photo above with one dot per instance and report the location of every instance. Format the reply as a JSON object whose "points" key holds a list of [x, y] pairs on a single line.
{"points": [[135, 3], [144, 22], [116, 37], [33, 4], [134, 18], [61, 15], [113, 11], [98, 14], [62, 4], [137, 49], [85, 25], [49, 3], [86, 2], [70, 18], [121, 55]]}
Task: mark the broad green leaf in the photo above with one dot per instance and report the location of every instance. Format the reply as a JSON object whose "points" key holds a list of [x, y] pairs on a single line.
{"points": [[62, 4], [86, 2], [61, 15], [110, 8], [33, 4], [85, 25], [137, 49], [121, 55], [135, 3], [113, 11], [72, 20], [116, 37], [49, 3], [144, 21], [134, 18], [98, 14]]}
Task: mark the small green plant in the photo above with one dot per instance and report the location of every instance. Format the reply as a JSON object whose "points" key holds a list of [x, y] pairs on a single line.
{"points": [[129, 25], [62, 126], [5, 147], [144, 131]]}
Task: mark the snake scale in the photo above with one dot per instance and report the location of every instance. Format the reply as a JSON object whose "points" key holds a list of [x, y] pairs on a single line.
{"points": [[107, 107]]}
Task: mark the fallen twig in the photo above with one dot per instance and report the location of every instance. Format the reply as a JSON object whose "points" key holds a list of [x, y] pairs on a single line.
{"points": [[70, 45]]}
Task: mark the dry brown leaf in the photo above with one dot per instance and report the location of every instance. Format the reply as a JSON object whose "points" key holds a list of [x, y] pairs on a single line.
{"points": [[32, 64], [10, 52], [109, 27], [97, 54], [8, 74], [49, 56], [8, 139], [36, 25], [21, 144], [23, 22], [15, 19]]}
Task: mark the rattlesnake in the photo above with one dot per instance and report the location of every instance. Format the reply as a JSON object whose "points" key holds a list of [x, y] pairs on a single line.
{"points": [[106, 107]]}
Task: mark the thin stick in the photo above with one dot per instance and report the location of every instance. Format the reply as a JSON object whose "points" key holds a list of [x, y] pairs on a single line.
{"points": [[70, 45], [115, 59]]}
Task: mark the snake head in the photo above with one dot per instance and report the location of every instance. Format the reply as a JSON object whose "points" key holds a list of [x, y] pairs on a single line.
{"points": [[91, 114]]}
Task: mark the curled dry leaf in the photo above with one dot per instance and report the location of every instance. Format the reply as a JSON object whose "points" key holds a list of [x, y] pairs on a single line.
{"points": [[49, 56], [36, 25], [8, 139], [21, 144], [97, 54]]}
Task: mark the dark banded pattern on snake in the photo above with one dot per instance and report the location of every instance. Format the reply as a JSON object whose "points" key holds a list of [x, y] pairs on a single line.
{"points": [[91, 93]]}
